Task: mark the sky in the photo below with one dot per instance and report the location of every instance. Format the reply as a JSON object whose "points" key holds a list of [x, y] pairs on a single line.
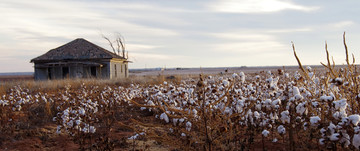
{"points": [[183, 33]]}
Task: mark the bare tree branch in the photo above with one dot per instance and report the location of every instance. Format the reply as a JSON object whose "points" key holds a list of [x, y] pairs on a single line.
{"points": [[111, 44], [120, 45]]}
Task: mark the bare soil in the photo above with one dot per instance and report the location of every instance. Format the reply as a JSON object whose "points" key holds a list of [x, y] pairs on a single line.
{"points": [[16, 77]]}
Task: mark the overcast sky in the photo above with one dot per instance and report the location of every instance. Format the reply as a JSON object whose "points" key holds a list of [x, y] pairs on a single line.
{"points": [[183, 33]]}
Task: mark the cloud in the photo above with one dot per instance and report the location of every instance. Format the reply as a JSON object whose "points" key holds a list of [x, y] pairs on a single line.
{"points": [[290, 30], [67, 18], [257, 6], [247, 42], [342, 24], [245, 36], [140, 47], [252, 48]]}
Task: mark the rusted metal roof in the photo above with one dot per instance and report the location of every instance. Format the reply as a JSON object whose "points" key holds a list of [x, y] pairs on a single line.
{"points": [[78, 49]]}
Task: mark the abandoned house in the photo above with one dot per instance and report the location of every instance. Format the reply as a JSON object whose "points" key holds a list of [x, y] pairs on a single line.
{"points": [[80, 59]]}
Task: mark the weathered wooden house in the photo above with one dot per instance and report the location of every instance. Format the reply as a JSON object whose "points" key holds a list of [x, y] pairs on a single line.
{"points": [[80, 59]]}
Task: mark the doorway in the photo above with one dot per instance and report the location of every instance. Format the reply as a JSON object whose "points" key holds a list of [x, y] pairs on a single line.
{"points": [[93, 71], [49, 73], [65, 72]]}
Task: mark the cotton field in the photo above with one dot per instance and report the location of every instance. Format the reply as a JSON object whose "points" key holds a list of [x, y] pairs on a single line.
{"points": [[304, 110]]}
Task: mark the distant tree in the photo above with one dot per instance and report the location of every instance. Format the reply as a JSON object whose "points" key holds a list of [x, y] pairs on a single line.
{"points": [[119, 43]]}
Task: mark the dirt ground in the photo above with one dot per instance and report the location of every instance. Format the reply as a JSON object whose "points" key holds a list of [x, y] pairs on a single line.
{"points": [[220, 70], [16, 77]]}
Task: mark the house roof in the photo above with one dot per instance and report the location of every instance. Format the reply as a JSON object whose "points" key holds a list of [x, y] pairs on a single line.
{"points": [[78, 49]]}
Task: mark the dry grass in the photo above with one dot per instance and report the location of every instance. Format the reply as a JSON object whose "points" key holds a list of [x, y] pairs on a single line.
{"points": [[54, 85]]}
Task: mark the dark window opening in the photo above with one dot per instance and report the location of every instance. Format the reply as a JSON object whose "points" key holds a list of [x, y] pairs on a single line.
{"points": [[65, 72], [49, 73], [93, 71], [115, 70], [126, 70]]}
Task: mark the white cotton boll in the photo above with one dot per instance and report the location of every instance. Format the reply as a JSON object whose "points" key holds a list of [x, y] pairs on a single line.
{"points": [[267, 104], [249, 87], [285, 117], [356, 141], [70, 123], [181, 120], [301, 109], [82, 111], [192, 101], [265, 133], [326, 98], [305, 125], [143, 108], [295, 90], [242, 77], [331, 127], [356, 129], [296, 93], [92, 129], [269, 80], [228, 110], [234, 75], [183, 134], [171, 130], [151, 103], [175, 120], [276, 117], [188, 126], [238, 108], [226, 83], [272, 117], [345, 139], [258, 107], [58, 129], [314, 104], [340, 104], [336, 115], [344, 121], [276, 102], [85, 130], [164, 117], [281, 130], [339, 115], [287, 76], [321, 141], [274, 140], [165, 83], [355, 118], [194, 112], [314, 120], [133, 137], [309, 68], [78, 122], [322, 131], [256, 115], [298, 97], [311, 74], [335, 137]]}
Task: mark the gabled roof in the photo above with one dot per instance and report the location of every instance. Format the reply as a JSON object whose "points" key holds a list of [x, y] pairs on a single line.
{"points": [[78, 49]]}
